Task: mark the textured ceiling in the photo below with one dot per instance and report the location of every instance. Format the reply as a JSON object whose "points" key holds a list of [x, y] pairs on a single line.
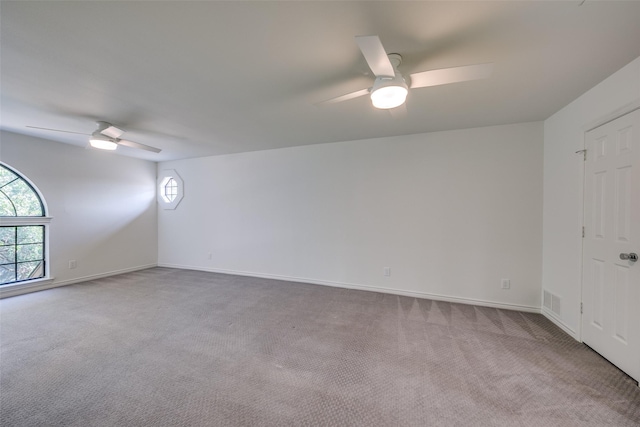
{"points": [[209, 78]]}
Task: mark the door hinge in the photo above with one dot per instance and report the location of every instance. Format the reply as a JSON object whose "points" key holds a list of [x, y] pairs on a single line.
{"points": [[583, 231], [580, 308], [584, 154]]}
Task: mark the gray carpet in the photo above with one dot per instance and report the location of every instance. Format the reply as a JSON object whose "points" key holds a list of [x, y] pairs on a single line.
{"points": [[164, 347]]}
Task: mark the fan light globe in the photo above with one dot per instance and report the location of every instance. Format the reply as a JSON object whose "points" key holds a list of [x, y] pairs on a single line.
{"points": [[389, 97], [102, 142], [389, 92]]}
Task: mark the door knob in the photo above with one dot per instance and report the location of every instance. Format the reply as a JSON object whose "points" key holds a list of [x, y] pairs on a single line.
{"points": [[633, 257]]}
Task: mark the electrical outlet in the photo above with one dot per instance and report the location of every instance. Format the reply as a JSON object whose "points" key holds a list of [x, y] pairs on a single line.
{"points": [[506, 283], [210, 256], [73, 264], [387, 271]]}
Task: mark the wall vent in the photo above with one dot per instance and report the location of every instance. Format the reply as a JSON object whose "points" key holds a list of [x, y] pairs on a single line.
{"points": [[546, 303], [551, 302], [555, 304]]}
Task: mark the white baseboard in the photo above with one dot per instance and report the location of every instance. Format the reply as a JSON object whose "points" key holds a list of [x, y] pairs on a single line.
{"points": [[415, 294], [559, 323], [26, 287], [42, 284]]}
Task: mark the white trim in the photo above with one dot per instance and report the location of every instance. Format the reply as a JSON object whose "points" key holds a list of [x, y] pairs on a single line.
{"points": [[26, 287], [415, 294], [24, 220], [42, 284], [581, 182], [559, 323], [615, 114]]}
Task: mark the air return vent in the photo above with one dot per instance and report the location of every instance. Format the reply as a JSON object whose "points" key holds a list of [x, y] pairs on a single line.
{"points": [[551, 302], [546, 303]]}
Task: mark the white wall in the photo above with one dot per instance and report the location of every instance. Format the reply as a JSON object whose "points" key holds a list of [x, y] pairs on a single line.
{"points": [[452, 213], [563, 187], [103, 205]]}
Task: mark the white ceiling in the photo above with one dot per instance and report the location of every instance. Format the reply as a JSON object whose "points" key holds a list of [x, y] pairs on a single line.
{"points": [[209, 78]]}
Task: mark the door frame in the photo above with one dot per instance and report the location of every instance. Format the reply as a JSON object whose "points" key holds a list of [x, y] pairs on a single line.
{"points": [[603, 120]]}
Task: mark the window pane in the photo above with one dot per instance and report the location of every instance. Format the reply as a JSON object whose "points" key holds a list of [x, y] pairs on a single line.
{"points": [[31, 252], [24, 198], [6, 207], [30, 270], [171, 190], [7, 235], [31, 234], [7, 273], [6, 176], [7, 254]]}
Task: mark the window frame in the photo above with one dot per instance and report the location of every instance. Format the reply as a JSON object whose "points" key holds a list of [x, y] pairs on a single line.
{"points": [[45, 261], [163, 179], [16, 288]]}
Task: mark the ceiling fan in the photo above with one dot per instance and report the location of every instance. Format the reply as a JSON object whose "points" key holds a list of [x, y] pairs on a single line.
{"points": [[390, 88], [106, 137]]}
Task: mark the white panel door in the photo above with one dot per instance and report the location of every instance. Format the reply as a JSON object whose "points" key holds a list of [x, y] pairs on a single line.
{"points": [[610, 284]]}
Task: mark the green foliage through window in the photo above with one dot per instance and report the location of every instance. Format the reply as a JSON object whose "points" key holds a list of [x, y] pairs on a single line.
{"points": [[17, 197], [21, 253]]}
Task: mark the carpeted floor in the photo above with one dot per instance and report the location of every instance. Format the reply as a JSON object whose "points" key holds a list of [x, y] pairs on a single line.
{"points": [[164, 347]]}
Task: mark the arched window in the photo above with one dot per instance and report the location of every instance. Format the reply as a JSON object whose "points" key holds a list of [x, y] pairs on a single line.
{"points": [[23, 229]]}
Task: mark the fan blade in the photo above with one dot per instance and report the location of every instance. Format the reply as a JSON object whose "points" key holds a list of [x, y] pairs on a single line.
{"points": [[345, 97], [58, 130], [451, 75], [112, 132], [376, 56], [137, 145]]}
